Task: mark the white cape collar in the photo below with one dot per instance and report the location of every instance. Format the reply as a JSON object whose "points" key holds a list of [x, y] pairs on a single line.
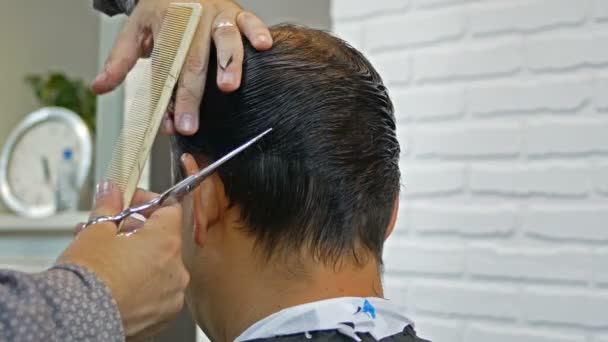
{"points": [[347, 315]]}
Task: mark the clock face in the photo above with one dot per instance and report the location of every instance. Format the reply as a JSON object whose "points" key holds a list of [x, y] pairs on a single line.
{"points": [[33, 154], [36, 158]]}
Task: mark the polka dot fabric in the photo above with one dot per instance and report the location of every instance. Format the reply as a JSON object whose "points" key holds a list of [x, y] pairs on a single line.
{"points": [[64, 303]]}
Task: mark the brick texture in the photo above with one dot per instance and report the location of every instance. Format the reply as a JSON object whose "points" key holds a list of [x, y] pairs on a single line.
{"points": [[439, 329], [530, 263], [421, 28], [574, 307], [467, 141], [495, 333], [601, 88], [600, 9], [552, 95], [414, 257], [502, 107], [467, 62], [519, 16], [563, 52], [563, 222], [431, 180], [465, 299], [492, 221], [600, 178], [531, 180], [430, 103]]}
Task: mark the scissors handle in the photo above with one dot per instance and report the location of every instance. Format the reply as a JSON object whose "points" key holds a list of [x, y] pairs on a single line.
{"points": [[123, 215], [116, 219]]}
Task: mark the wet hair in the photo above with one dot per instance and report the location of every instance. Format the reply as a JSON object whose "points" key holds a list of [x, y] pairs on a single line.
{"points": [[324, 181]]}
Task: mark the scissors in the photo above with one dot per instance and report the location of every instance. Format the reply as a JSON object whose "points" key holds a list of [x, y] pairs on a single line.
{"points": [[176, 192]]}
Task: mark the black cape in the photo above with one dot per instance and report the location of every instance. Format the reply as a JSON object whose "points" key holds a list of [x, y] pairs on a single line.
{"points": [[407, 335]]}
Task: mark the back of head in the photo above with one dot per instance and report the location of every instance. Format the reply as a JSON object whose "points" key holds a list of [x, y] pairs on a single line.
{"points": [[324, 181]]}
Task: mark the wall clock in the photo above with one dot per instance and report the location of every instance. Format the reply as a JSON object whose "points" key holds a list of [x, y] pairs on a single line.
{"points": [[31, 158]]}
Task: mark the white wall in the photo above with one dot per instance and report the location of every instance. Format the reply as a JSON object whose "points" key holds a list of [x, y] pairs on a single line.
{"points": [[40, 36], [503, 121], [313, 13]]}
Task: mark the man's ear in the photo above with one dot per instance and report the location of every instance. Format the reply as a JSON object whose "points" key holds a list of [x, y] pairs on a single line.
{"points": [[391, 225], [205, 200]]}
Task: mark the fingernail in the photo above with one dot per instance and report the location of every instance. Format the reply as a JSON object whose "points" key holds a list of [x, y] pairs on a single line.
{"points": [[101, 77], [186, 122], [103, 189], [226, 78], [262, 38], [168, 124], [79, 227]]}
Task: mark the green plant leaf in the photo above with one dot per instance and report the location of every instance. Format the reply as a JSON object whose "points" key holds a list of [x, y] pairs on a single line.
{"points": [[56, 89]]}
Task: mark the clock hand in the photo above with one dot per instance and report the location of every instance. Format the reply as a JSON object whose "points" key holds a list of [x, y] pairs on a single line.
{"points": [[46, 170]]}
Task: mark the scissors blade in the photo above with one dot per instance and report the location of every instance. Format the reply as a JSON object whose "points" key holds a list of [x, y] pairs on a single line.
{"points": [[179, 190], [190, 183]]}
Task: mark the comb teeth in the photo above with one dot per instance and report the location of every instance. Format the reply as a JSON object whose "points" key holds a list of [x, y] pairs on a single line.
{"points": [[132, 148]]}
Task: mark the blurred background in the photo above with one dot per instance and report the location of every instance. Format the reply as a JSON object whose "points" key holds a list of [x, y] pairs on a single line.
{"points": [[40, 38], [503, 121]]}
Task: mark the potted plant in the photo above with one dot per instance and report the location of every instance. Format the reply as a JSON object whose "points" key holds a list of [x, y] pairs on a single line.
{"points": [[56, 89]]}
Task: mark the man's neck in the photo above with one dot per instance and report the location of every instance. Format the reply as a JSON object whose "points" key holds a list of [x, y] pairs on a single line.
{"points": [[255, 292]]}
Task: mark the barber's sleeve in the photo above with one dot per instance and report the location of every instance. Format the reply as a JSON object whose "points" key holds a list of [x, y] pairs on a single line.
{"points": [[113, 7], [64, 303]]}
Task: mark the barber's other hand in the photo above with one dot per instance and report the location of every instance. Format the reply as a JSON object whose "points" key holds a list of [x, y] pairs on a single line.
{"points": [[222, 20], [144, 270]]}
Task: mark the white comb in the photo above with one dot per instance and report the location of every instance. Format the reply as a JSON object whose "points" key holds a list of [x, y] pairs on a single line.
{"points": [[132, 148]]}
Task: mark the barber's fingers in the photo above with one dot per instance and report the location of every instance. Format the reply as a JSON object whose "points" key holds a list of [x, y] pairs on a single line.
{"points": [[142, 196], [134, 222], [147, 46], [190, 89], [191, 83], [123, 56], [163, 231], [168, 126], [131, 224], [167, 219], [78, 228], [226, 31], [108, 201], [255, 30], [229, 46], [222, 21]]}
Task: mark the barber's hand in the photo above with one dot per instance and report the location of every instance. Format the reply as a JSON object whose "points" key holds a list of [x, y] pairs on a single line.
{"points": [[222, 20], [143, 270]]}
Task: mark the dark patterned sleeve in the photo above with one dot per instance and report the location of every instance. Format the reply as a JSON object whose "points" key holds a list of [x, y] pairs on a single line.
{"points": [[113, 7], [64, 303]]}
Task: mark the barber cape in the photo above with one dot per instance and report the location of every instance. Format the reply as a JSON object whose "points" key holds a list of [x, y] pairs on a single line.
{"points": [[337, 319]]}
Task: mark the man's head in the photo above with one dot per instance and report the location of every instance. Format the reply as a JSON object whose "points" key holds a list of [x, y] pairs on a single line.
{"points": [[322, 185]]}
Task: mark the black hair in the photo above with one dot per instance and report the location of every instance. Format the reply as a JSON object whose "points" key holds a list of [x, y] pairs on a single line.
{"points": [[326, 178]]}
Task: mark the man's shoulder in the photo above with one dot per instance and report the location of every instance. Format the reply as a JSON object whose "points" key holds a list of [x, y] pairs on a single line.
{"points": [[407, 335]]}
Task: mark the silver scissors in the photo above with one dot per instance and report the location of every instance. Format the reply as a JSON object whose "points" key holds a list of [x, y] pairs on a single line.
{"points": [[176, 192]]}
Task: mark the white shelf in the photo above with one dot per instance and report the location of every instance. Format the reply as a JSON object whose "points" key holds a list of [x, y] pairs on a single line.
{"points": [[64, 222]]}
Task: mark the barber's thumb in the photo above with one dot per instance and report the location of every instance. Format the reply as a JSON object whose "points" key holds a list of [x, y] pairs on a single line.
{"points": [[108, 199]]}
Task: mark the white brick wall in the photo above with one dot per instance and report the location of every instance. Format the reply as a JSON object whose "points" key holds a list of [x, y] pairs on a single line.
{"points": [[502, 110]]}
